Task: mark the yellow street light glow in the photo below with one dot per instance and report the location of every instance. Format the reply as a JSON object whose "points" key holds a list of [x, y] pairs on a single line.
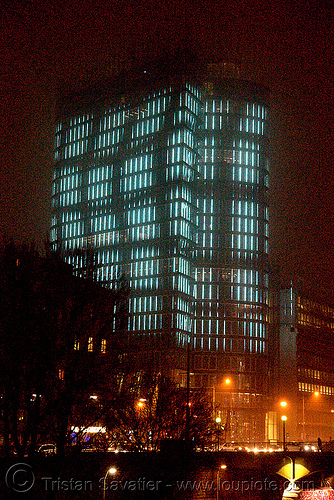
{"points": [[111, 470], [227, 381], [218, 420], [283, 404], [223, 466], [293, 470], [284, 418], [317, 393]]}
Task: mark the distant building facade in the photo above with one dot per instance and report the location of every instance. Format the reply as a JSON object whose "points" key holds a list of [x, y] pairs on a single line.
{"points": [[307, 366], [165, 174]]}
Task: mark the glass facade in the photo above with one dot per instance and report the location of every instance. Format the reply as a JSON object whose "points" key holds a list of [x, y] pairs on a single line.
{"points": [[169, 187]]}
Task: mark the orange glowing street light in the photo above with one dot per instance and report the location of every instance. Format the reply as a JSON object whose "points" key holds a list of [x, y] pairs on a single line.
{"points": [[222, 467], [112, 471], [228, 386]]}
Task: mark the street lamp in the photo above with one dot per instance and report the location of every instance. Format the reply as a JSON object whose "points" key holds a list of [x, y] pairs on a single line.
{"points": [[228, 384], [112, 471], [222, 467], [292, 491], [283, 404], [218, 421], [284, 418]]}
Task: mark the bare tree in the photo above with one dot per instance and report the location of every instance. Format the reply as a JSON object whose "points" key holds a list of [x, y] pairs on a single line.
{"points": [[150, 408], [57, 341]]}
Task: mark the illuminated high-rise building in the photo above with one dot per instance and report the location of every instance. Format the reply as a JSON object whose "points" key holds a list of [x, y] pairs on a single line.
{"points": [[164, 173]]}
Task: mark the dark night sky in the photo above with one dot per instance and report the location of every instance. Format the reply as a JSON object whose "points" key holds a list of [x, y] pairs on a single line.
{"points": [[47, 47]]}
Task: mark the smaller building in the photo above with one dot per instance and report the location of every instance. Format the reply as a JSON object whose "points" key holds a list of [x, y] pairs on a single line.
{"points": [[306, 367]]}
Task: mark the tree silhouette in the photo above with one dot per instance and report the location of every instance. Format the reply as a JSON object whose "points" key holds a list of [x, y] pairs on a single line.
{"points": [[150, 408], [57, 343]]}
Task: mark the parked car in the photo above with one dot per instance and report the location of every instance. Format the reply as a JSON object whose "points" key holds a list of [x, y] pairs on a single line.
{"points": [[229, 447], [89, 449], [293, 446], [309, 447], [47, 449]]}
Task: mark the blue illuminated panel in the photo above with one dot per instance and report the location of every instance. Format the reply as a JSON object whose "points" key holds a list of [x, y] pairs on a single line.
{"points": [[233, 229], [169, 191]]}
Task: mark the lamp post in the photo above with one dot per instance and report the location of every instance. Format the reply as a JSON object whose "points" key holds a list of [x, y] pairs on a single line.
{"points": [[218, 421], [293, 469], [292, 491], [228, 384], [190, 341], [222, 467], [283, 404], [284, 418], [303, 437], [112, 471]]}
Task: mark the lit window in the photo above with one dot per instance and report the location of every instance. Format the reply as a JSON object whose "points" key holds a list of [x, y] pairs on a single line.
{"points": [[76, 345], [61, 374], [103, 346], [90, 344]]}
